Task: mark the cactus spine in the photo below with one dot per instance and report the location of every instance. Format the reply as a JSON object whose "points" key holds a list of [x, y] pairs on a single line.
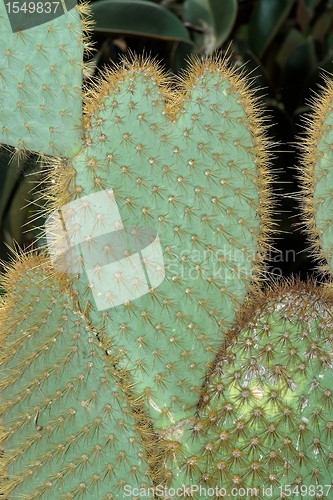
{"points": [[317, 178]]}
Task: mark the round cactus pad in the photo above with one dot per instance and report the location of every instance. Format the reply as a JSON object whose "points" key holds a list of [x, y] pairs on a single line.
{"points": [[265, 422]]}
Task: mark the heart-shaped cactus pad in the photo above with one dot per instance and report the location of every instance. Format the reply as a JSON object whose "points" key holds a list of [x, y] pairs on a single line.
{"points": [[163, 218]]}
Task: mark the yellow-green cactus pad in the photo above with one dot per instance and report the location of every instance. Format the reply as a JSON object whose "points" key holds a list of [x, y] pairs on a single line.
{"points": [[265, 422]]}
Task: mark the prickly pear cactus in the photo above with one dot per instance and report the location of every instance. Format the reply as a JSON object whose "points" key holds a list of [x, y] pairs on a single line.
{"points": [[317, 176], [119, 370], [69, 429], [265, 425], [166, 215], [41, 77]]}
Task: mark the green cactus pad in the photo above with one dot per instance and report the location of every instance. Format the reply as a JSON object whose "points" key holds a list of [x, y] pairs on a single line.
{"points": [[179, 179], [265, 420], [41, 81], [68, 430], [317, 177]]}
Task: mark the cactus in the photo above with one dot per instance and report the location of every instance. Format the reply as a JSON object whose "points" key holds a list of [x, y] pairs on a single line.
{"points": [[128, 357], [68, 426], [264, 421], [317, 177], [201, 154], [41, 79], [179, 180]]}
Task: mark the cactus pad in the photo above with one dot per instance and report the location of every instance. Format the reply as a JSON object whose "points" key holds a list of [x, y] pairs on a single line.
{"points": [[317, 177], [166, 216], [41, 80], [68, 430], [265, 420]]}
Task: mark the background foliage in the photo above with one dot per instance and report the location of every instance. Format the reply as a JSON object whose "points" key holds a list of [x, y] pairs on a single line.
{"points": [[286, 46]]}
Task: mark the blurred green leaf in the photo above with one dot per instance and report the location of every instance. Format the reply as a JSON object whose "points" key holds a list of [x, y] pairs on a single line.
{"points": [[303, 15], [17, 218], [329, 45], [253, 67], [324, 69], [311, 4], [323, 26], [9, 177], [15, 195], [266, 21], [293, 40], [138, 18], [179, 56], [214, 18], [296, 73]]}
